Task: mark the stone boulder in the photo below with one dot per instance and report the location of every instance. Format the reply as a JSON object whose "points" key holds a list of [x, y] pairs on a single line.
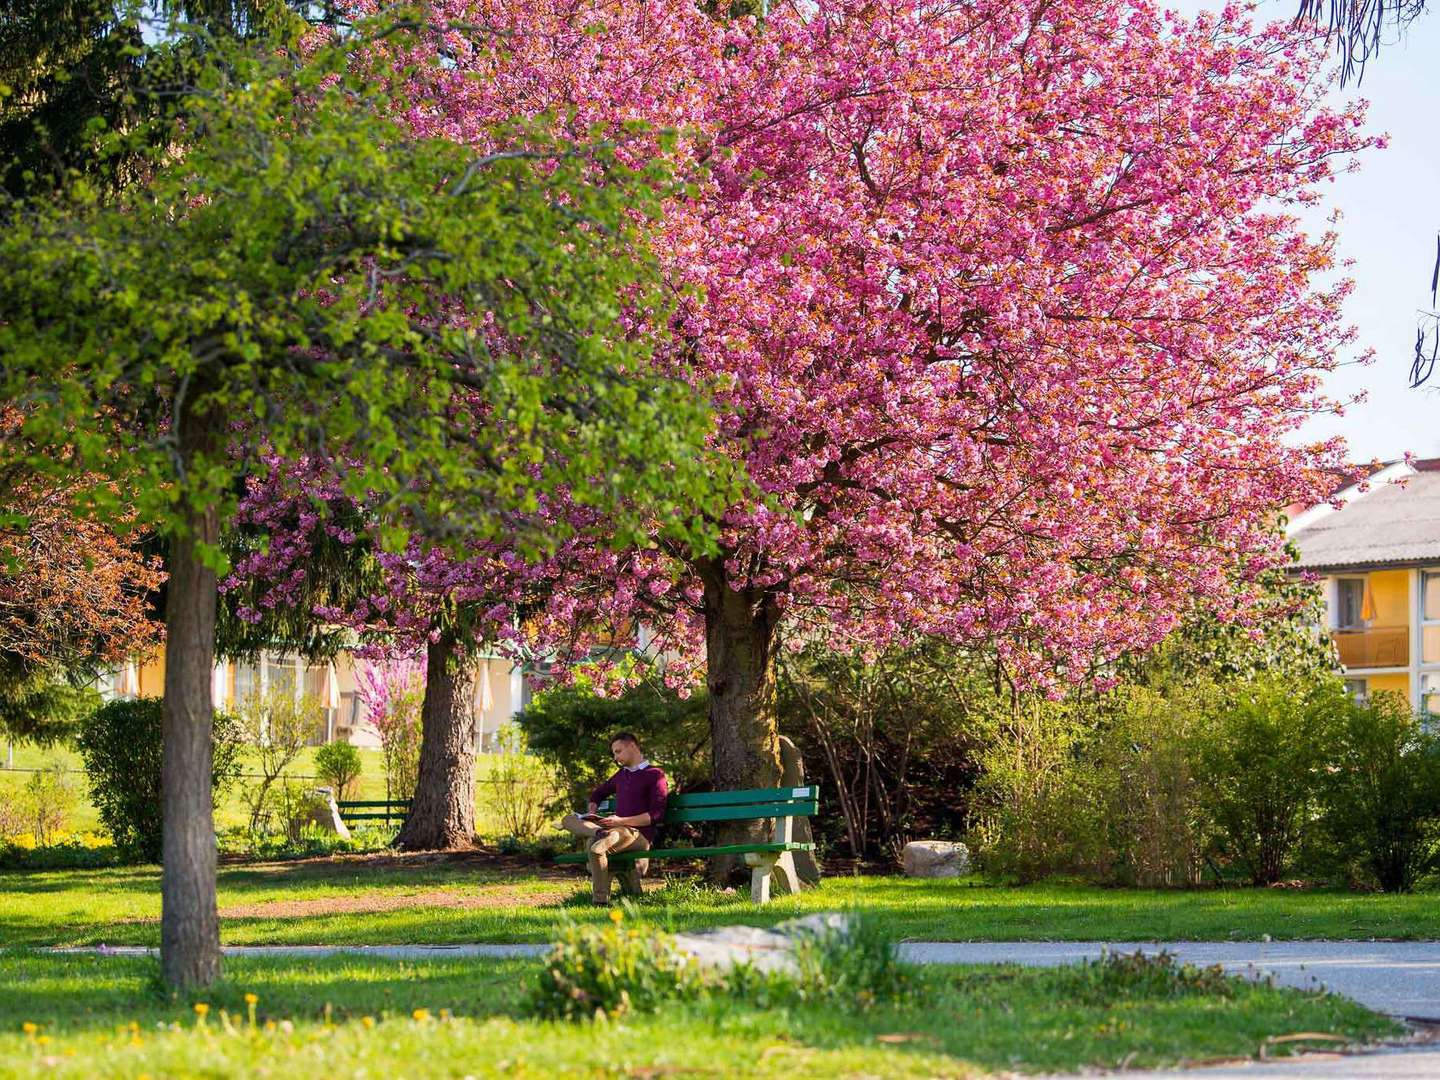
{"points": [[935, 859]]}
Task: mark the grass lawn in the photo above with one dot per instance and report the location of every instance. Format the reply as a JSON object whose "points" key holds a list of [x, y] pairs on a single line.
{"points": [[420, 899], [357, 1016]]}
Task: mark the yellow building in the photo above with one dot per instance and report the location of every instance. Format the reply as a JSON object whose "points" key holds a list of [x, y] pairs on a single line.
{"points": [[1377, 556]]}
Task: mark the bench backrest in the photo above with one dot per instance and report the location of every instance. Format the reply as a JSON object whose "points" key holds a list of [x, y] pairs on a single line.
{"points": [[363, 809], [739, 805]]}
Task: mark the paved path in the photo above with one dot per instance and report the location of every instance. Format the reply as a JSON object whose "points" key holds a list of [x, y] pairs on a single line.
{"points": [[1396, 1064], [1397, 977]]}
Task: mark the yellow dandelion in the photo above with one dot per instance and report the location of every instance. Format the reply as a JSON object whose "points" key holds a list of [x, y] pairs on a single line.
{"points": [[616, 915], [42, 1039], [368, 1022], [201, 1008], [421, 1014], [29, 1028], [251, 999]]}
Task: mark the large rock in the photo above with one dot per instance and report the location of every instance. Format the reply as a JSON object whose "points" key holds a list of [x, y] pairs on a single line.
{"points": [[764, 950], [935, 859]]}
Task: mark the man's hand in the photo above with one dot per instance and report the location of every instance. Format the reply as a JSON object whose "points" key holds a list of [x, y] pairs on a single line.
{"points": [[610, 821]]}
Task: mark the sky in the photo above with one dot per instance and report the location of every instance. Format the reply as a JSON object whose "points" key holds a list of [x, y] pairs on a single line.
{"points": [[1391, 214]]}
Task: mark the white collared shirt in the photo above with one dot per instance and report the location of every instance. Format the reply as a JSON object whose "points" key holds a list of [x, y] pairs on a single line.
{"points": [[636, 768]]}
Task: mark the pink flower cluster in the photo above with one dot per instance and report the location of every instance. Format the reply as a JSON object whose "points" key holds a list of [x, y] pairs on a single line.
{"points": [[1002, 305]]}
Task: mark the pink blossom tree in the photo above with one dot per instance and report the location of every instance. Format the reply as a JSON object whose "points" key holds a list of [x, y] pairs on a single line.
{"points": [[1004, 307]]}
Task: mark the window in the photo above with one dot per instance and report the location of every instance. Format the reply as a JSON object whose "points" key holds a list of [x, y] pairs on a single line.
{"points": [[1359, 689], [247, 681], [1430, 617], [1349, 602]]}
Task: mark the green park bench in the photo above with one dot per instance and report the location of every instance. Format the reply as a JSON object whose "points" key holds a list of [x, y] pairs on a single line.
{"points": [[769, 861], [386, 810]]}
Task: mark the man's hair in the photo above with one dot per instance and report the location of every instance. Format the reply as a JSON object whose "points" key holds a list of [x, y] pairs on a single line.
{"points": [[625, 736]]}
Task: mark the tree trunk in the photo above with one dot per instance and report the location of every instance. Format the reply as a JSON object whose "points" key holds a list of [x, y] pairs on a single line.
{"points": [[189, 923], [740, 645], [442, 813]]}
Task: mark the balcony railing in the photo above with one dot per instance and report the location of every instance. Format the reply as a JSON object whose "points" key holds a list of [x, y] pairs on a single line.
{"points": [[1378, 646]]}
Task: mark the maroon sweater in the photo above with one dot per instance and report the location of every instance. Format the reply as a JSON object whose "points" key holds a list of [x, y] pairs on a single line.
{"points": [[643, 791]]}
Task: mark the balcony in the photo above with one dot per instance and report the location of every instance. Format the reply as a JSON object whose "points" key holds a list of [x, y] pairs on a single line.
{"points": [[1375, 647]]}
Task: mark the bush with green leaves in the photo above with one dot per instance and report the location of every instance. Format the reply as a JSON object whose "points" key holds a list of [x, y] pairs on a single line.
{"points": [[612, 970], [338, 765], [520, 789], [569, 727], [276, 726], [121, 747], [1258, 756], [1381, 791], [46, 801]]}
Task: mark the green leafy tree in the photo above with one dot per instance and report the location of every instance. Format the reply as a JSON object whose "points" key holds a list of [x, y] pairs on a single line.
{"points": [[339, 765], [1382, 790], [311, 278]]}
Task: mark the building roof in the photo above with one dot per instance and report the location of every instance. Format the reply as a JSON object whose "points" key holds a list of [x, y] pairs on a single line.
{"points": [[1389, 525]]}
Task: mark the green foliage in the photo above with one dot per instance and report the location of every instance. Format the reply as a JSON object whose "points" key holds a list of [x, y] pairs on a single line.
{"points": [[520, 790], [46, 801], [611, 970], [1119, 976], [894, 738], [338, 765], [121, 745], [41, 706], [275, 726], [1258, 758], [570, 728], [1381, 791], [84, 852], [296, 270]]}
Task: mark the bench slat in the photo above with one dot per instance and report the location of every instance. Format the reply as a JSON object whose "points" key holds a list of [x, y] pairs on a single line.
{"points": [[686, 800], [750, 812], [371, 817], [688, 853], [400, 804]]}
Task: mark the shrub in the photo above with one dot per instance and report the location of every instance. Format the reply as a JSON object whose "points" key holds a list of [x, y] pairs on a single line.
{"points": [[1038, 803], [895, 737], [610, 971], [520, 789], [73, 851], [1153, 829], [569, 728], [1258, 755], [338, 764], [121, 747], [1382, 791], [276, 726], [46, 801]]}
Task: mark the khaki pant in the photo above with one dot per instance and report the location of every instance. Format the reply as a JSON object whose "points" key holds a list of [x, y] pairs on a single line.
{"points": [[600, 843]]}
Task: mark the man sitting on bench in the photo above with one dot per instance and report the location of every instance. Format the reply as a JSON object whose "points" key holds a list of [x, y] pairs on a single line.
{"points": [[640, 791]]}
